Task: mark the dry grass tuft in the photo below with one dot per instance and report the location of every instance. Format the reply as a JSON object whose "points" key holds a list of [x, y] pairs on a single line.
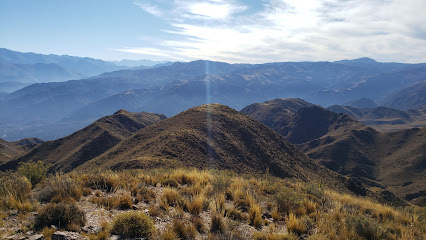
{"points": [[295, 224], [185, 231], [196, 204], [255, 215], [15, 192], [172, 198], [217, 224]]}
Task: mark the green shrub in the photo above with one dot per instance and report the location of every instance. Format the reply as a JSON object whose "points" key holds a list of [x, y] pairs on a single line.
{"points": [[133, 224], [364, 227], [33, 171], [63, 215], [287, 200]]}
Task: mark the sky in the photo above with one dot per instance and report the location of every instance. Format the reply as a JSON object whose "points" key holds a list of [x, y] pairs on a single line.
{"points": [[234, 31]]}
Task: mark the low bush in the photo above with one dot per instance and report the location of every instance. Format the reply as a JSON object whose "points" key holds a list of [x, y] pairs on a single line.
{"points": [[364, 227], [60, 188], [143, 194], [15, 191], [62, 215], [108, 182], [133, 224], [33, 171]]}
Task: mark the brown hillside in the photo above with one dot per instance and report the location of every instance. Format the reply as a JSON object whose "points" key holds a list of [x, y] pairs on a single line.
{"points": [[69, 152], [385, 119], [11, 150], [212, 136], [402, 165], [394, 161], [281, 109]]}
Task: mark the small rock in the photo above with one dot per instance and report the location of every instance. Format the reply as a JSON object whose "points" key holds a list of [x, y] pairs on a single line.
{"points": [[59, 235], [113, 237], [15, 237], [91, 229], [36, 237], [266, 215]]}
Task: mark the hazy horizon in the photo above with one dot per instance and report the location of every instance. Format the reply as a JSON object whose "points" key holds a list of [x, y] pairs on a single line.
{"points": [[234, 31]]}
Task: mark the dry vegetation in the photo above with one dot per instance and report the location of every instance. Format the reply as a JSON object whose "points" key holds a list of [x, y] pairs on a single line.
{"points": [[196, 204]]}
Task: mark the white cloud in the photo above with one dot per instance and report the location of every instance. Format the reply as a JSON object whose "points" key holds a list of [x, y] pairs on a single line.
{"points": [[211, 10], [296, 30], [149, 8]]}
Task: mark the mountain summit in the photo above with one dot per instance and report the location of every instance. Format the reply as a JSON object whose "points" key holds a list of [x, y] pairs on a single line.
{"points": [[211, 136]]}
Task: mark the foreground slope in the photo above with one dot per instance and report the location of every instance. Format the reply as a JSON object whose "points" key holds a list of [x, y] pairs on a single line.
{"points": [[212, 136], [69, 152]]}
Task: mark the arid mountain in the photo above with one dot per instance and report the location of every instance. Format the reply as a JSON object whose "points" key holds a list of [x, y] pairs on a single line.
{"points": [[412, 97], [191, 84], [212, 136], [69, 152], [8, 151], [280, 109], [385, 119], [11, 150], [336, 140], [402, 163], [339, 142]]}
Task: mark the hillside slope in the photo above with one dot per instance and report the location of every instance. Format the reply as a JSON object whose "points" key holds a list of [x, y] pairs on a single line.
{"points": [[69, 152], [408, 98], [393, 161], [402, 163], [385, 119], [11, 150], [212, 136]]}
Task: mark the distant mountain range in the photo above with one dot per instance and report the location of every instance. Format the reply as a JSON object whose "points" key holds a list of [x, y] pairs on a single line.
{"points": [[18, 69], [138, 63], [64, 107]]}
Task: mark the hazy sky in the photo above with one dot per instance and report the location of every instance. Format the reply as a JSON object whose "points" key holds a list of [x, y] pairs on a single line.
{"points": [[252, 31]]}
